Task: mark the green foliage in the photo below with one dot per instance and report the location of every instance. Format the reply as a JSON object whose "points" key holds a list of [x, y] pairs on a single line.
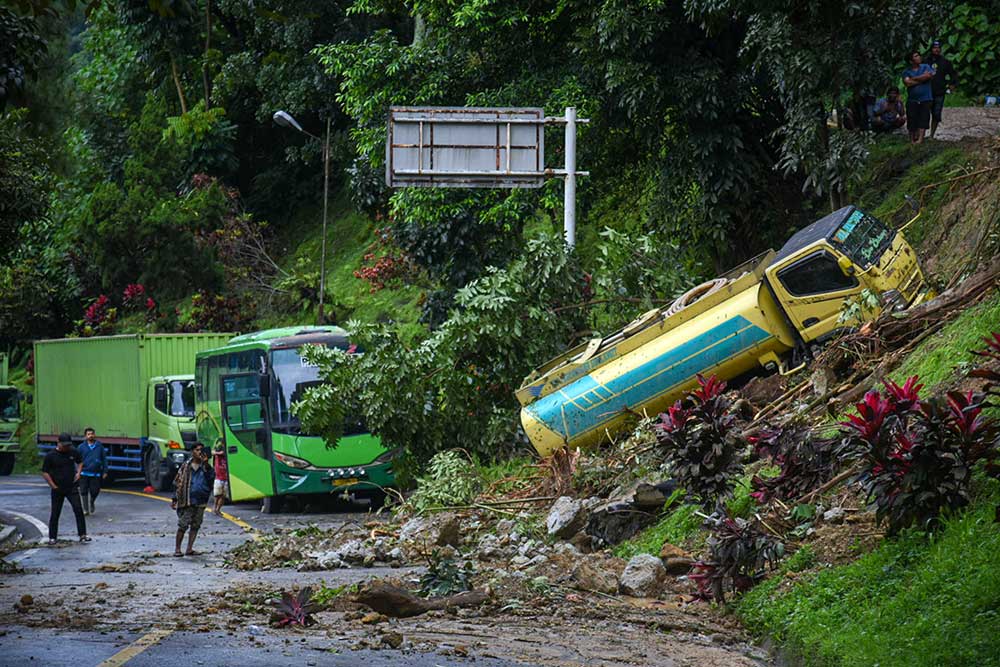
{"points": [[456, 385], [445, 576], [25, 177], [803, 559], [971, 36], [861, 308], [450, 479], [206, 139], [21, 48], [907, 601]]}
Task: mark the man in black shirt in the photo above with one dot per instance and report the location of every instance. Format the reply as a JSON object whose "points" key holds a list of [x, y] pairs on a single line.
{"points": [[944, 81], [61, 469]]}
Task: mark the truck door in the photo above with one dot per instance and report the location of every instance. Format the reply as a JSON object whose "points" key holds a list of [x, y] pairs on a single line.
{"points": [[246, 436], [812, 288]]}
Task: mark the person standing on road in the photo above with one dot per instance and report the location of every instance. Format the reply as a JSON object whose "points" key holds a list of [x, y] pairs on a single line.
{"points": [[221, 486], [945, 80], [192, 490], [918, 97], [61, 470], [95, 469]]}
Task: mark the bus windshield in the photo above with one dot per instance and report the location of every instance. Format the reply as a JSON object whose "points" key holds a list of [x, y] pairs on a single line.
{"points": [[10, 407], [292, 376], [182, 398]]}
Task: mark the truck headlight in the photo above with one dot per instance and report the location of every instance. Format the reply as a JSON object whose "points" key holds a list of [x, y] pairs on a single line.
{"points": [[893, 300], [177, 457], [292, 461]]}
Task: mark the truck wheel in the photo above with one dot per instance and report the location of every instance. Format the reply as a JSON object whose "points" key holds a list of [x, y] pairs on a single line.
{"points": [[6, 463], [153, 468], [271, 504]]}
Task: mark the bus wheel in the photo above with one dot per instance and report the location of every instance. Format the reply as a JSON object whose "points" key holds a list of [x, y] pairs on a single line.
{"points": [[6, 463], [271, 504], [376, 501]]}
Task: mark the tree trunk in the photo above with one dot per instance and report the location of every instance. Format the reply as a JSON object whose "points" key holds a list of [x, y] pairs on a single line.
{"points": [[177, 83], [204, 64], [419, 30]]}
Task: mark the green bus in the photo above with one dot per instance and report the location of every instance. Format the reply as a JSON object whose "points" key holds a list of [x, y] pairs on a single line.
{"points": [[244, 393]]}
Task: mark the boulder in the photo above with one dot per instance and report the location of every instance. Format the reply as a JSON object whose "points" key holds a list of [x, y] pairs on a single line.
{"points": [[566, 517], [834, 515], [676, 561], [435, 530], [643, 577], [615, 521], [354, 551], [588, 576]]}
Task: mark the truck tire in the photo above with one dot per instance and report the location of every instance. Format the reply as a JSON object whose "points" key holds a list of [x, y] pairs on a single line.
{"points": [[152, 466], [271, 504], [6, 464]]}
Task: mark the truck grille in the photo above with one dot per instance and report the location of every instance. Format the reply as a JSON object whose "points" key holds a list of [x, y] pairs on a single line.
{"points": [[6, 435]]}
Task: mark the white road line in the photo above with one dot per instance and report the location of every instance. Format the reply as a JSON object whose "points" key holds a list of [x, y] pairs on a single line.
{"points": [[43, 529]]}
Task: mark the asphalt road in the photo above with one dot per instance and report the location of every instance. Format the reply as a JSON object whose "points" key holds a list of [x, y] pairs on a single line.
{"points": [[106, 614]]}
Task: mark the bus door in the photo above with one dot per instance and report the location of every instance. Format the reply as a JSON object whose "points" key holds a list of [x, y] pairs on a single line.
{"points": [[246, 436]]}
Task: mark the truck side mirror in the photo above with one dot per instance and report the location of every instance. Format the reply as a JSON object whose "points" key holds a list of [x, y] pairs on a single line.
{"points": [[264, 385], [846, 265]]}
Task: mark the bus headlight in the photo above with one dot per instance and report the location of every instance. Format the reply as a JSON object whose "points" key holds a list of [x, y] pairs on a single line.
{"points": [[292, 461]]}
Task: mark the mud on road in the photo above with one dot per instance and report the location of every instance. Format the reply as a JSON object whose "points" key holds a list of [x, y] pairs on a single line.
{"points": [[126, 583]]}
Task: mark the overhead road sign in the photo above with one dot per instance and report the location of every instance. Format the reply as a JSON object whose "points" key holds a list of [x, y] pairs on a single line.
{"points": [[465, 147]]}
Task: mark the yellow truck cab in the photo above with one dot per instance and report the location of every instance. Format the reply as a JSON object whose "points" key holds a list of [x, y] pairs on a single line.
{"points": [[762, 316]]}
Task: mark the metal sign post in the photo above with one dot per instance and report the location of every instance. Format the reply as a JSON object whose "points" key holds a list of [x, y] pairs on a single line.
{"points": [[479, 147]]}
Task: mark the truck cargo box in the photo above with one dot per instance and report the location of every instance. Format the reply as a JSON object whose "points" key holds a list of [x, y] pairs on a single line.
{"points": [[101, 381]]}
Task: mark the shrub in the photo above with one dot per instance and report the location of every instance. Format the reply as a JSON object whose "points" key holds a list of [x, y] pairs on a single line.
{"points": [[917, 455], [739, 554], [451, 479], [805, 463], [698, 442]]}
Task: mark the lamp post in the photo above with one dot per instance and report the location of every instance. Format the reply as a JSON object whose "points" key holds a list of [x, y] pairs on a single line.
{"points": [[284, 119]]}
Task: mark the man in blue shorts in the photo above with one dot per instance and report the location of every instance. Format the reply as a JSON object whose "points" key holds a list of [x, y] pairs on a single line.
{"points": [[919, 97]]}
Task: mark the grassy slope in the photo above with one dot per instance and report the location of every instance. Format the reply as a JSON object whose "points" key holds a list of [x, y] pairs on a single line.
{"points": [[912, 602], [349, 235]]}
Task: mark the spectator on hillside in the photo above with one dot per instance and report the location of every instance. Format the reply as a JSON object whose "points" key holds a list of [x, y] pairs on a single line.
{"points": [[945, 80], [889, 113], [919, 98]]}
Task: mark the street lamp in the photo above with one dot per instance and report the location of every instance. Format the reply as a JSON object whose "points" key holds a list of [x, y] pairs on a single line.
{"points": [[284, 119]]}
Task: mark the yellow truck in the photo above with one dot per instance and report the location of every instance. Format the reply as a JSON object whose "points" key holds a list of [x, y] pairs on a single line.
{"points": [[763, 316]]}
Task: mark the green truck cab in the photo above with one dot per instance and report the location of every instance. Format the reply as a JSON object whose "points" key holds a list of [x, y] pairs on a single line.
{"points": [[10, 418], [135, 391], [768, 314], [244, 394]]}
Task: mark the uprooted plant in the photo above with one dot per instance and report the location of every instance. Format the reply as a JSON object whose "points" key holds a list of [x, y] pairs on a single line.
{"points": [[917, 455], [294, 608], [739, 555], [699, 443], [445, 576]]}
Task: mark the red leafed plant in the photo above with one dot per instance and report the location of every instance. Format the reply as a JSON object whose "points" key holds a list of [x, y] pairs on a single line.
{"points": [[991, 375], [805, 463], [294, 608], [698, 442], [134, 296], [739, 554], [917, 455]]}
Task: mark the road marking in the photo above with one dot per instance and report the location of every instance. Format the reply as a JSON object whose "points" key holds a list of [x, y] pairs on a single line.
{"points": [[136, 647], [225, 515], [42, 528]]}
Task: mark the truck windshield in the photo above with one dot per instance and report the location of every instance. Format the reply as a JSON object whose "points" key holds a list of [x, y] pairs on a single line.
{"points": [[182, 398], [292, 376], [863, 238], [9, 404]]}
